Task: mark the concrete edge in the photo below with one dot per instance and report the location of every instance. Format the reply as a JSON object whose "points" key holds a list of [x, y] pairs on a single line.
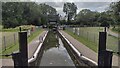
{"points": [[33, 58], [78, 53]]}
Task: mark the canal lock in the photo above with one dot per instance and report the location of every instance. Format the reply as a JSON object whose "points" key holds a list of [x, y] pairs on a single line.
{"points": [[55, 51]]}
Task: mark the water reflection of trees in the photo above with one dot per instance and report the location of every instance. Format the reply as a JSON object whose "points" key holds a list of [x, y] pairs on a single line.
{"points": [[52, 41]]}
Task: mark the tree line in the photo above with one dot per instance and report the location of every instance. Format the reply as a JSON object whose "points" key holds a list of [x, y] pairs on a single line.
{"points": [[31, 13], [92, 18], [25, 13]]}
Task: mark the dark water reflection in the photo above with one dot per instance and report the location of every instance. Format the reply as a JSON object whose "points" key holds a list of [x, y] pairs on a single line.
{"points": [[55, 54]]}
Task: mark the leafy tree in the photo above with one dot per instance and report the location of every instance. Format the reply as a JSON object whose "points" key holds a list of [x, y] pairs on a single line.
{"points": [[70, 10], [87, 17], [25, 13], [115, 8]]}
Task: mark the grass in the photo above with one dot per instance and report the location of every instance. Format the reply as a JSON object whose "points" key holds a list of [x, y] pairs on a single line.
{"points": [[34, 35], [16, 29], [9, 30], [16, 47], [112, 42], [89, 44], [116, 29], [9, 35]]}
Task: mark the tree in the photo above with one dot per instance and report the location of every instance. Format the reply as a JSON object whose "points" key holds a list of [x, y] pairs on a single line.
{"points": [[46, 9], [87, 17], [70, 10], [25, 13], [115, 8]]}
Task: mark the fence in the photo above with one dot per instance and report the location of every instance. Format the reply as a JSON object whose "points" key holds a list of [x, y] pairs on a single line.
{"points": [[12, 39], [9, 40], [112, 43], [85, 34]]}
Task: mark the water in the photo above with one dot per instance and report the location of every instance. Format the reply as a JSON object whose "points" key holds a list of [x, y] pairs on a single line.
{"points": [[55, 54]]}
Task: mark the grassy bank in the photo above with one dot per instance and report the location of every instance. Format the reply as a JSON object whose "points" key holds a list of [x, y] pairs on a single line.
{"points": [[14, 48], [16, 29], [89, 36], [116, 30], [83, 40]]}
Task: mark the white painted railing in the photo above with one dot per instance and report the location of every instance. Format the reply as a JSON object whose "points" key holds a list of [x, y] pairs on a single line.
{"points": [[37, 51], [78, 53]]}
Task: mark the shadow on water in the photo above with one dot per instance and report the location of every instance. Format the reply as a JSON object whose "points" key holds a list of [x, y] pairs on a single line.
{"points": [[54, 53]]}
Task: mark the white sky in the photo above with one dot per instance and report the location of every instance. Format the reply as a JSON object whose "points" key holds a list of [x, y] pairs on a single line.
{"points": [[94, 5]]}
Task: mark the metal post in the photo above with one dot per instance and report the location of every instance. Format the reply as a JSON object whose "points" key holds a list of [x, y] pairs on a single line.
{"points": [[23, 48]]}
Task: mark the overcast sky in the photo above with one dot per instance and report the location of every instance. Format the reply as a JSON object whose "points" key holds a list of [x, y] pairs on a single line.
{"points": [[94, 5]]}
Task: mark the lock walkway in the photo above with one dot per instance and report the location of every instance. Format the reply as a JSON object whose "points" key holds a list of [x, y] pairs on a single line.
{"points": [[87, 51], [32, 46]]}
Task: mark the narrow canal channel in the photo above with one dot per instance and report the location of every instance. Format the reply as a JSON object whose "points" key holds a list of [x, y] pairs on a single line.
{"points": [[54, 52]]}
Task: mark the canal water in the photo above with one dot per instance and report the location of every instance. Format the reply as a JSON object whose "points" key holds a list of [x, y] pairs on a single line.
{"points": [[54, 52]]}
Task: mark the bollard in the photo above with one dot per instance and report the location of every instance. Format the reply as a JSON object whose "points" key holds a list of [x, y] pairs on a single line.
{"points": [[23, 48]]}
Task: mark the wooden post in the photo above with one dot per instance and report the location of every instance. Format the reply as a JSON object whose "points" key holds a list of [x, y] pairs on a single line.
{"points": [[102, 41], [20, 29], [4, 39], [17, 60], [14, 39], [102, 47], [104, 56], [87, 35], [23, 48]]}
